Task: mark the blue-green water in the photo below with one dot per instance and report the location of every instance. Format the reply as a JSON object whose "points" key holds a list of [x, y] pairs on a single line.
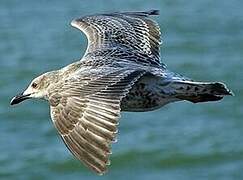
{"points": [[203, 39]]}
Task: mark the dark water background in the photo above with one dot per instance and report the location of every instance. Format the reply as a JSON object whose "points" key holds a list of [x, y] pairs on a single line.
{"points": [[203, 39]]}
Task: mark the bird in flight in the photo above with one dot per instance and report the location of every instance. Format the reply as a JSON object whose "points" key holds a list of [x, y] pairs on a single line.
{"points": [[121, 70]]}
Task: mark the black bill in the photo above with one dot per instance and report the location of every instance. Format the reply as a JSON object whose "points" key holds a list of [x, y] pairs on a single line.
{"points": [[19, 98]]}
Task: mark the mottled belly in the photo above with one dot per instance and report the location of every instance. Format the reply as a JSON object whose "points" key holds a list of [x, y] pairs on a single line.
{"points": [[146, 95]]}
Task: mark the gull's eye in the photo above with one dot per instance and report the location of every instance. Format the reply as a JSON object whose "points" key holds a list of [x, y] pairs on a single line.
{"points": [[34, 85]]}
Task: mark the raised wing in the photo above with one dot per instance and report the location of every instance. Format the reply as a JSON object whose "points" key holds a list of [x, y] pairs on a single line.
{"points": [[86, 111], [131, 36]]}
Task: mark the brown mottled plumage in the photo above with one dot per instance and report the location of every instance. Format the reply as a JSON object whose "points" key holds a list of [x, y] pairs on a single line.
{"points": [[121, 70]]}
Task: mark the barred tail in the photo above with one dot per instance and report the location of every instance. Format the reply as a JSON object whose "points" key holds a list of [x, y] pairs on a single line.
{"points": [[200, 91]]}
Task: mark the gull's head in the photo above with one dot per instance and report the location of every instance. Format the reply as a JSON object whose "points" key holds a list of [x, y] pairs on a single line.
{"points": [[38, 88]]}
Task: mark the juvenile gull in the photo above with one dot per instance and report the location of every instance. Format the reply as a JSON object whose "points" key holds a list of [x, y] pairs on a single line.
{"points": [[120, 71]]}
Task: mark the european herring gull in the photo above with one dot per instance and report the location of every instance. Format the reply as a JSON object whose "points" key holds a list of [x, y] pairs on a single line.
{"points": [[120, 71]]}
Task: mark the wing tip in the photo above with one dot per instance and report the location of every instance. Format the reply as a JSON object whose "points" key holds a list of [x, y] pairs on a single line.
{"points": [[153, 12]]}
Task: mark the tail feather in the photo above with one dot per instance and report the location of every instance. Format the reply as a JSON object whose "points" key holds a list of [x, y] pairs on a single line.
{"points": [[200, 98], [200, 91]]}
